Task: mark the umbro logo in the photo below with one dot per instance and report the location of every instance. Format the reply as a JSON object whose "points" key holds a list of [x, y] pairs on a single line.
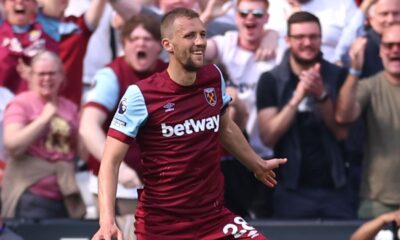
{"points": [[169, 107]]}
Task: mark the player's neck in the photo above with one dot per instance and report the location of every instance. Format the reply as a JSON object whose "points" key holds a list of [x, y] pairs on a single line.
{"points": [[180, 75]]}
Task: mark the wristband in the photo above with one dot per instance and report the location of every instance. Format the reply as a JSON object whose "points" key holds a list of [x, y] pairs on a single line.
{"points": [[355, 72]]}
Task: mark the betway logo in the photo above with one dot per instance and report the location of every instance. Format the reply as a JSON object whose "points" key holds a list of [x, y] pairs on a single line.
{"points": [[190, 126]]}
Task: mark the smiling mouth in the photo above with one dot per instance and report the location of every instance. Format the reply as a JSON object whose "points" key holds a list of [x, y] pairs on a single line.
{"points": [[251, 26]]}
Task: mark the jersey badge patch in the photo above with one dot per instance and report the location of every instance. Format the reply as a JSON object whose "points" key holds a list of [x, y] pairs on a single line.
{"points": [[211, 96], [122, 106]]}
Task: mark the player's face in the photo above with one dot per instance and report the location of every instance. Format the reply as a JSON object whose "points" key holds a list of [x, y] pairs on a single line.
{"points": [[141, 49], [250, 18], [304, 41], [188, 43], [46, 78], [390, 51], [19, 12]]}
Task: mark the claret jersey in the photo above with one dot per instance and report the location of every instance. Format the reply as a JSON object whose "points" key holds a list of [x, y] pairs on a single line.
{"points": [[177, 129]]}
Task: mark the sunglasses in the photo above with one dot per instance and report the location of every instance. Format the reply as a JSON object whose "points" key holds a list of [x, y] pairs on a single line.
{"points": [[258, 13], [390, 45]]}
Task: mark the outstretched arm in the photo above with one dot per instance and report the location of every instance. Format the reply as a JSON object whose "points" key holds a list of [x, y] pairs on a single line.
{"points": [[114, 153], [233, 141]]}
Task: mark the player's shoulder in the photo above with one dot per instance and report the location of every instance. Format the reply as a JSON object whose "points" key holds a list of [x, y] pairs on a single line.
{"points": [[209, 72]]}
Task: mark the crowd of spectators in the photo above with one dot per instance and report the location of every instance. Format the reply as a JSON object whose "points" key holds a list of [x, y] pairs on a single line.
{"points": [[316, 81]]}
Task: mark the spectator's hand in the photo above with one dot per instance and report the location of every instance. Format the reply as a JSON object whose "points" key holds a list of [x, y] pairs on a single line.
{"points": [[265, 173], [214, 9], [366, 4], [268, 46], [49, 111], [356, 53], [128, 177], [108, 232], [299, 93], [312, 80]]}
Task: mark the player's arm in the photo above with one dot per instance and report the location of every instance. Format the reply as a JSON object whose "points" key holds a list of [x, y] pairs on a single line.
{"points": [[114, 153], [91, 131], [233, 141]]}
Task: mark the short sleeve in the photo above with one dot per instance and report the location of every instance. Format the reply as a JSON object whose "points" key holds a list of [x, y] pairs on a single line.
{"points": [[226, 99], [15, 113], [131, 114], [106, 89], [364, 92]]}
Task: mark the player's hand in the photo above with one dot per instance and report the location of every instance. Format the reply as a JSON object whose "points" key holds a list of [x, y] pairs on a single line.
{"points": [[266, 174], [128, 177], [108, 232]]}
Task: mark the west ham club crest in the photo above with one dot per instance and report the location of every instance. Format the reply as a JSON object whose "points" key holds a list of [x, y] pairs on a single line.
{"points": [[211, 96]]}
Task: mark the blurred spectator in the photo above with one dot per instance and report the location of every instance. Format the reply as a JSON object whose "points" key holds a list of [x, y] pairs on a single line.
{"points": [[355, 28], [237, 51], [21, 37], [334, 16], [382, 14], [210, 11], [296, 104], [5, 96], [383, 227], [141, 43], [40, 134], [377, 99], [105, 37], [73, 35], [238, 183]]}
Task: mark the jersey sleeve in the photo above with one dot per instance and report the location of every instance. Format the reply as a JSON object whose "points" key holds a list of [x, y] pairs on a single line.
{"points": [[225, 97], [105, 91], [130, 116]]}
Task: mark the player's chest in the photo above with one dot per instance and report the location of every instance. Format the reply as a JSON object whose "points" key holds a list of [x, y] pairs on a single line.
{"points": [[200, 104]]}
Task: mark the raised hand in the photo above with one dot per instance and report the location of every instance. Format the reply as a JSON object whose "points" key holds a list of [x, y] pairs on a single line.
{"points": [[356, 53]]}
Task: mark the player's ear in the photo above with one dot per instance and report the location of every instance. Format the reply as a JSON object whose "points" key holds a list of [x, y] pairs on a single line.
{"points": [[167, 45]]}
